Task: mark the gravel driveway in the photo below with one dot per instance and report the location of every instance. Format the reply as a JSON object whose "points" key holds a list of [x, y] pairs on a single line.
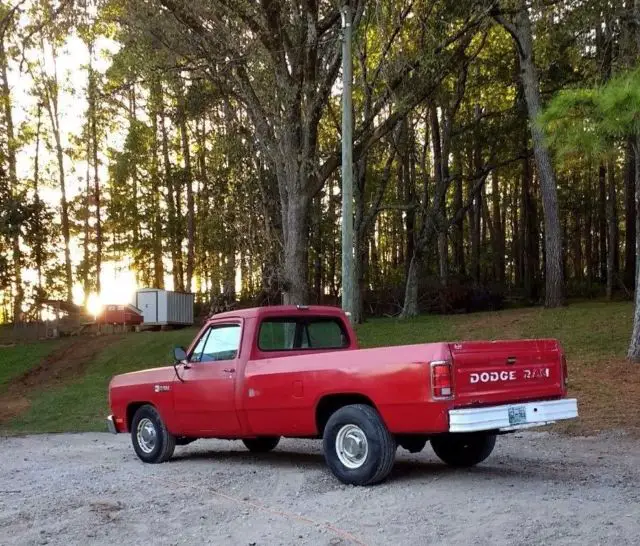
{"points": [[537, 488]]}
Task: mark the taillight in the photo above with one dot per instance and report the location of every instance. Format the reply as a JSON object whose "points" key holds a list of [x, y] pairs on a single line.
{"points": [[441, 383], [565, 371]]}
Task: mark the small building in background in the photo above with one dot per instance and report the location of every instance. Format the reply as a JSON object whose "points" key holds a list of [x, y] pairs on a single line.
{"points": [[164, 308], [122, 314]]}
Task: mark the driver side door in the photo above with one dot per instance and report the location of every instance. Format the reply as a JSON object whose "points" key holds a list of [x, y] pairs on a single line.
{"points": [[204, 400]]}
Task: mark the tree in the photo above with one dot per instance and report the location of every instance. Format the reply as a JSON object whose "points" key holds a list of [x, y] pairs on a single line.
{"points": [[12, 191], [594, 121], [49, 32], [519, 27]]}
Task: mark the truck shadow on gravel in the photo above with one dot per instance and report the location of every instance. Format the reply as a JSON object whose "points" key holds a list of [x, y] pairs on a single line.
{"points": [[275, 458], [403, 471]]}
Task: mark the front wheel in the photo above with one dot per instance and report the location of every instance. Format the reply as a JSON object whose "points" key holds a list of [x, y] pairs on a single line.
{"points": [[463, 449], [358, 447], [152, 442], [263, 444]]}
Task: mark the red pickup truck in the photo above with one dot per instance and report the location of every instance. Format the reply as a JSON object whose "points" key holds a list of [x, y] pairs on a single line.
{"points": [[261, 374]]}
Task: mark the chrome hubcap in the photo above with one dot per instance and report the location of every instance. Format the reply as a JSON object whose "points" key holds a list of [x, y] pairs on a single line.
{"points": [[352, 446], [146, 435]]}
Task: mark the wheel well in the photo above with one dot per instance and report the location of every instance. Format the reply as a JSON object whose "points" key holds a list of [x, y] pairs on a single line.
{"points": [[329, 404], [131, 411]]}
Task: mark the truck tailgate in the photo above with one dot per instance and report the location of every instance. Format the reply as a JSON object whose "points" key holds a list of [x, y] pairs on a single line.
{"points": [[498, 372]]}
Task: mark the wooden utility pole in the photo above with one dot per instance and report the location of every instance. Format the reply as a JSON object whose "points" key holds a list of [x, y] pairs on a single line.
{"points": [[348, 280]]}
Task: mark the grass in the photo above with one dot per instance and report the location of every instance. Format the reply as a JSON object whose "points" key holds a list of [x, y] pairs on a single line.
{"points": [[594, 334], [82, 405], [16, 360]]}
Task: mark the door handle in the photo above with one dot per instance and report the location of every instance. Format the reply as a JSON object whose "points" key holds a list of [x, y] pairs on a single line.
{"points": [[229, 370]]}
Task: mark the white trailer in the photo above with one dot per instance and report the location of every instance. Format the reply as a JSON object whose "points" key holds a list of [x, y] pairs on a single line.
{"points": [[164, 308]]}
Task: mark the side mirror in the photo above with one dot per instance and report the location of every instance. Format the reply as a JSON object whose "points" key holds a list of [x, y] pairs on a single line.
{"points": [[179, 354]]}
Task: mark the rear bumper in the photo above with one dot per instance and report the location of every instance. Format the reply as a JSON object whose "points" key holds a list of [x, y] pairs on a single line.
{"points": [[111, 425], [498, 417]]}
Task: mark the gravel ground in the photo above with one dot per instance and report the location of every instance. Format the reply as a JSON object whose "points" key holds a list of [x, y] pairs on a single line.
{"points": [[537, 488]]}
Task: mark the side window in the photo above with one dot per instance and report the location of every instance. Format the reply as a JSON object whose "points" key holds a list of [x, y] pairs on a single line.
{"points": [[219, 343], [297, 333], [326, 334], [196, 355], [277, 335]]}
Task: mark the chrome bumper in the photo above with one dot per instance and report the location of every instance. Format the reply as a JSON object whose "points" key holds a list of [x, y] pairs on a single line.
{"points": [[111, 426], [530, 414]]}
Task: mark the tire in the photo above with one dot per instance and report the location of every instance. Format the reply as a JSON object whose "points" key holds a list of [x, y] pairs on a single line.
{"points": [[155, 444], [465, 449], [264, 444], [413, 444], [373, 448]]}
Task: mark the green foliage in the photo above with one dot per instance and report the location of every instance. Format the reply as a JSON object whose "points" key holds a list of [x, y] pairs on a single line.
{"points": [[592, 121]]}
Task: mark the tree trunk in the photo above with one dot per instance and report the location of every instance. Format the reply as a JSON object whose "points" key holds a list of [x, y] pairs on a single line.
{"points": [[516, 230], [13, 185], [158, 265], [520, 29], [475, 218], [630, 218], [360, 238], [457, 236], [96, 177], [135, 224], [441, 179], [411, 308], [634, 346], [86, 255], [39, 242], [296, 251], [174, 224], [317, 250], [51, 104], [497, 236], [229, 282], [612, 230], [186, 154], [602, 221], [588, 228]]}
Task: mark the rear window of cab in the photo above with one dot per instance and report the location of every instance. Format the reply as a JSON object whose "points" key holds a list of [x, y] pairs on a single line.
{"points": [[295, 334]]}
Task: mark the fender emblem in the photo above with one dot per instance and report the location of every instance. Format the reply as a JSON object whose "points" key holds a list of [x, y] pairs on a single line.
{"points": [[161, 388]]}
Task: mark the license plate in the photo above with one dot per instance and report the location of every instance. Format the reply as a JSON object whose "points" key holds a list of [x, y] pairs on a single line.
{"points": [[517, 415]]}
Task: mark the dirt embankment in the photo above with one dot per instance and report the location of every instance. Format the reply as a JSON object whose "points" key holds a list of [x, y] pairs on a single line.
{"points": [[66, 363]]}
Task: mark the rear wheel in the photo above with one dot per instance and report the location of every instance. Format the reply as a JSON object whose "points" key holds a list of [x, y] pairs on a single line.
{"points": [[152, 442], [358, 447], [463, 449], [263, 444]]}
